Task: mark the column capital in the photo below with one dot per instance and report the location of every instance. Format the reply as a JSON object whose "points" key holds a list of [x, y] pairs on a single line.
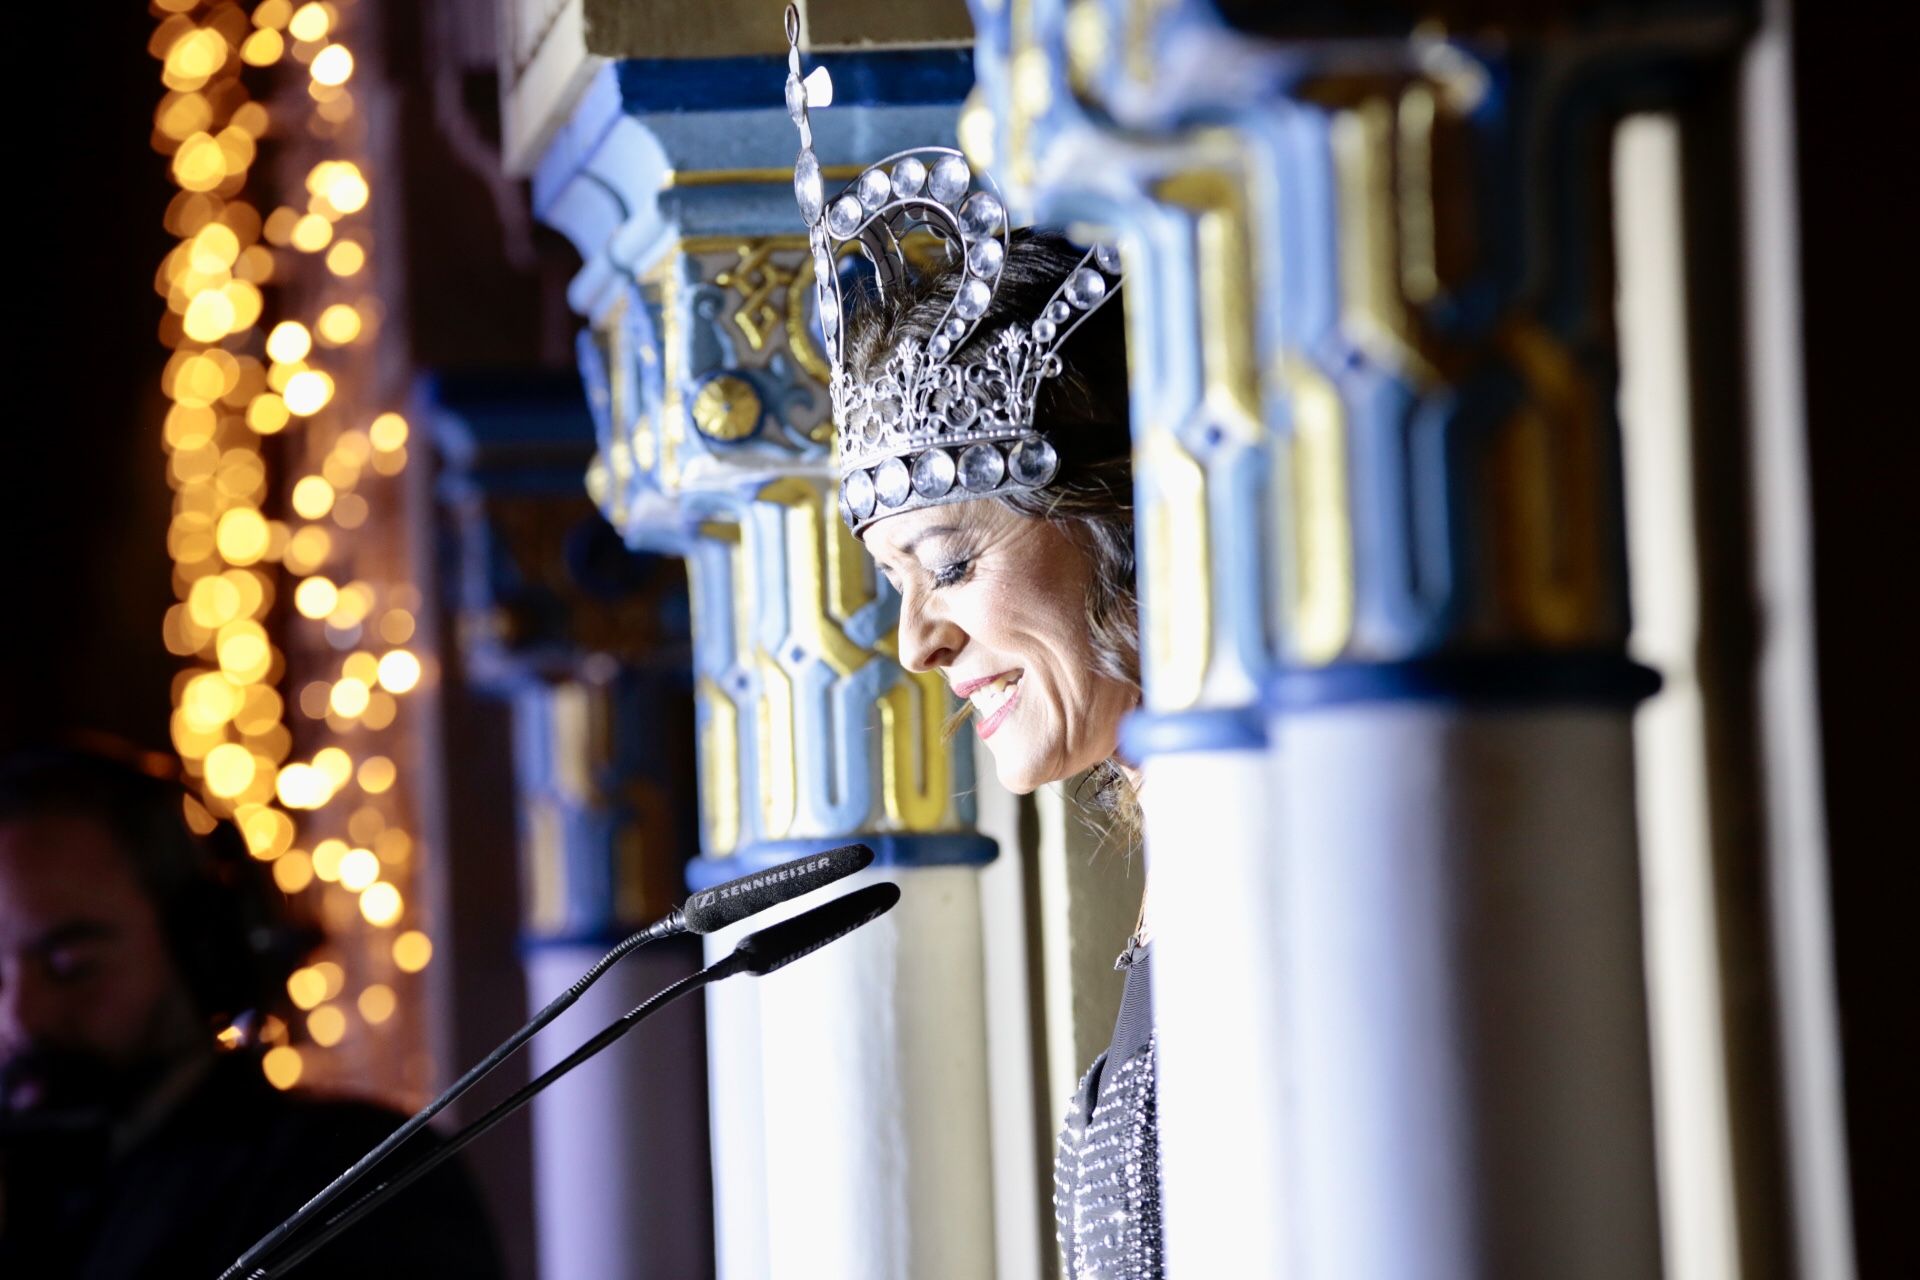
{"points": [[707, 382], [660, 149], [542, 589]]}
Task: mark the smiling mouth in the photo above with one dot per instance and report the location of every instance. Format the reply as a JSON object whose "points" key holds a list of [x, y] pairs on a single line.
{"points": [[993, 700]]}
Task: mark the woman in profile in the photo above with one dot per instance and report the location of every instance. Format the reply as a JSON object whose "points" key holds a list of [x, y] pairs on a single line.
{"points": [[982, 449]]}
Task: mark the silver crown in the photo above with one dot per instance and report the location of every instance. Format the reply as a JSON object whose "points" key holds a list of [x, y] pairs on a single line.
{"points": [[926, 430]]}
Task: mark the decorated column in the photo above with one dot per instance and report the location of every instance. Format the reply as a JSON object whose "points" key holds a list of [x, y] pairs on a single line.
{"points": [[862, 1070], [1386, 735], [589, 642]]}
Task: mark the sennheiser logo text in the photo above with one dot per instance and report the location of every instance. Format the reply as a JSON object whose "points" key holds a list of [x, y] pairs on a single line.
{"points": [[756, 882]]}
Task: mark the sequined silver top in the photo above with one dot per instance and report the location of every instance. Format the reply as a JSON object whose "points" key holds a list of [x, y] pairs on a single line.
{"points": [[1106, 1171]]}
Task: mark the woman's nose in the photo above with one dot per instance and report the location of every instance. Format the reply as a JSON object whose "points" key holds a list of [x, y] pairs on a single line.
{"points": [[928, 639]]}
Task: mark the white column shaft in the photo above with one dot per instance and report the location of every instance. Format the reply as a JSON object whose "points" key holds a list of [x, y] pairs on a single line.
{"points": [[874, 1079], [1214, 907], [1467, 1038], [736, 1123]]}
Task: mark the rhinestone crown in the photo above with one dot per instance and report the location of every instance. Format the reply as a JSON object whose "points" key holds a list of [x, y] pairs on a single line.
{"points": [[925, 430]]}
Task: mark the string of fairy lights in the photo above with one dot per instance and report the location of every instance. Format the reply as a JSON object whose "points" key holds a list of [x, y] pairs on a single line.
{"points": [[293, 615]]}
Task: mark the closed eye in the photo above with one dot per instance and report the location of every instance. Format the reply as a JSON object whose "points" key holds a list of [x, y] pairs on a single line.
{"points": [[952, 573]]}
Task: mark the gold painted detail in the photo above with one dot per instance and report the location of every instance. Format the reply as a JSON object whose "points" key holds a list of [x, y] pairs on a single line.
{"points": [[1419, 269], [720, 798], [779, 766], [1176, 570], [646, 445], [544, 868], [756, 278], [1028, 96], [851, 584], [1032, 83], [916, 772], [1143, 16], [770, 311], [571, 744], [1547, 478], [1375, 313], [808, 355], [812, 545], [726, 408], [600, 489], [1223, 256], [744, 177], [1089, 44], [1322, 607], [976, 129]]}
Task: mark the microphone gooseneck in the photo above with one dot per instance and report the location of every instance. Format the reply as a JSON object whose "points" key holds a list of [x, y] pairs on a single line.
{"points": [[759, 953], [704, 912]]}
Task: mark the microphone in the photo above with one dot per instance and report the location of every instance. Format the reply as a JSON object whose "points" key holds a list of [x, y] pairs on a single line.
{"points": [[779, 945], [702, 913], [759, 954], [734, 901]]}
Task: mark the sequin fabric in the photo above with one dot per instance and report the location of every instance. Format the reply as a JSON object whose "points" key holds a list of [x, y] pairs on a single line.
{"points": [[1106, 1175]]}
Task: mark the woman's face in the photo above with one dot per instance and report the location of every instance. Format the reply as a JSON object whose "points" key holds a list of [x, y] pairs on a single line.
{"points": [[997, 603]]}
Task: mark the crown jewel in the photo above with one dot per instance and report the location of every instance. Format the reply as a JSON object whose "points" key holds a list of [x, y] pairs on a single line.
{"points": [[926, 428]]}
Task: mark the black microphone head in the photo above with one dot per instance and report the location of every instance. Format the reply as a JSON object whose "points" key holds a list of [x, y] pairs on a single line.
{"points": [[734, 901], [779, 945]]}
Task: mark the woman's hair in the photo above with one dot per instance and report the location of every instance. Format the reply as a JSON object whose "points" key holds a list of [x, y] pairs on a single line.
{"points": [[1083, 412]]}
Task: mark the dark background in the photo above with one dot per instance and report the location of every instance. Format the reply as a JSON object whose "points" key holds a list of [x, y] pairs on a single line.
{"points": [[86, 503]]}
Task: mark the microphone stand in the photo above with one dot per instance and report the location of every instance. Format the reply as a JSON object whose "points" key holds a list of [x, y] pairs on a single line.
{"points": [[513, 1102], [761, 952], [666, 927]]}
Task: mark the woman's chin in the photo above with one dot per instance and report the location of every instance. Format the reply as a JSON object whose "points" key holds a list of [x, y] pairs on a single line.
{"points": [[1021, 783], [1015, 766]]}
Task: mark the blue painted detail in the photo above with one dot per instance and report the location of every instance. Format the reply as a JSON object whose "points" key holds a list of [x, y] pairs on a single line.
{"points": [[1493, 679], [878, 616], [958, 849], [883, 78], [1307, 226], [568, 151], [1241, 568], [1143, 734]]}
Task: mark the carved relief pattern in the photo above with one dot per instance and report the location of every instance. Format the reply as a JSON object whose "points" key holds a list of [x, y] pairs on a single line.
{"points": [[714, 435]]}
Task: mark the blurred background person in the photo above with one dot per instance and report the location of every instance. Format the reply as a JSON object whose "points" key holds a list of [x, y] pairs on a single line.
{"points": [[133, 1140]]}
